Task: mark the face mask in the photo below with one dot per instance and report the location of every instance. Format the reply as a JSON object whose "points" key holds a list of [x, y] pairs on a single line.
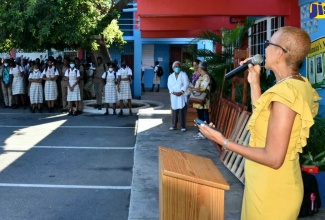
{"points": [[72, 65], [177, 69], [6, 64], [110, 69], [35, 70]]}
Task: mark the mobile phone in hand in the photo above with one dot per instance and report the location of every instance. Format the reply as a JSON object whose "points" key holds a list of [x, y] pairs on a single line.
{"points": [[199, 122]]}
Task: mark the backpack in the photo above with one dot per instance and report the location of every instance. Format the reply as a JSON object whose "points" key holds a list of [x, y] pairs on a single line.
{"points": [[160, 71], [311, 201], [212, 84]]}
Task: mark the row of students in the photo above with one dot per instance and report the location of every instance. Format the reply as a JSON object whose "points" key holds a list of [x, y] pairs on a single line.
{"points": [[57, 82]]}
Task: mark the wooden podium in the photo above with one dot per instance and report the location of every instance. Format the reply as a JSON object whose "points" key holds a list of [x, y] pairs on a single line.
{"points": [[190, 187]]}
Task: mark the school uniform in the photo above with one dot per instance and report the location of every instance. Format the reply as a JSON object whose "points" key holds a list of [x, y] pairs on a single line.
{"points": [[50, 88], [18, 87], [73, 74], [36, 88], [125, 89], [110, 87]]}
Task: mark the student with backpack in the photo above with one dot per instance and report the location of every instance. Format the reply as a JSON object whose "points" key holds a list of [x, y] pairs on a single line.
{"points": [[159, 72]]}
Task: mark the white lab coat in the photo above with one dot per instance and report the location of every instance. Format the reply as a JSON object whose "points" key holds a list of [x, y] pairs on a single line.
{"points": [[177, 85]]}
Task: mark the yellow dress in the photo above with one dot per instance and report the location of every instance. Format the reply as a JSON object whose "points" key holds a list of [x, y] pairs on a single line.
{"points": [[277, 194]]}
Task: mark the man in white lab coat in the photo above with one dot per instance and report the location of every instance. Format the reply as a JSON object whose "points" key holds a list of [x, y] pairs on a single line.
{"points": [[177, 85]]}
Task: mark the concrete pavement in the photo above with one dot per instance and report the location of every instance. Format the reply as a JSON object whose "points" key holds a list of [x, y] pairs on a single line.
{"points": [[153, 125]]}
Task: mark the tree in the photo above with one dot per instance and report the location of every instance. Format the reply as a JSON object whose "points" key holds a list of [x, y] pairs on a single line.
{"points": [[33, 25]]}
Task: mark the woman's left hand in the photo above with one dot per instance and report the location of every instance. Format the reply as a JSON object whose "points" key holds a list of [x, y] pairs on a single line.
{"points": [[211, 134]]}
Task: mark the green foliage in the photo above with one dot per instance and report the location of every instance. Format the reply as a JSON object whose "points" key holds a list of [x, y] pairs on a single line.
{"points": [[33, 25], [220, 62], [314, 152]]}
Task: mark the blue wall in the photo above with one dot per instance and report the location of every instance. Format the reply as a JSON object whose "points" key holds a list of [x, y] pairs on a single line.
{"points": [[316, 30]]}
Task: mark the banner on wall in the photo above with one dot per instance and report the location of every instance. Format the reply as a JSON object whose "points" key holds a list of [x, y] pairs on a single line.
{"points": [[315, 67]]}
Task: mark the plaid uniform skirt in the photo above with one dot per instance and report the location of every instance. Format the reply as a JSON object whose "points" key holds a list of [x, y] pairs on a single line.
{"points": [[51, 90], [18, 87], [75, 94], [110, 93], [125, 91], [36, 93]]}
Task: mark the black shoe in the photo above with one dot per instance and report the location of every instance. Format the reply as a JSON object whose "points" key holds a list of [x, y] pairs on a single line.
{"points": [[79, 112], [96, 106], [120, 113], [40, 110], [130, 112], [75, 113], [106, 113], [114, 112], [70, 113], [33, 110], [157, 90]]}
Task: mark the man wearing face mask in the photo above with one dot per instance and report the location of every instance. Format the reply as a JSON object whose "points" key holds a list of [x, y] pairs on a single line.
{"points": [[177, 84], [98, 82], [6, 84]]}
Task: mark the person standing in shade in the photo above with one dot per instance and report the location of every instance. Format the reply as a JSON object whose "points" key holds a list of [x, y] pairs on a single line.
{"points": [[279, 127], [72, 75], [6, 84], [202, 85], [64, 85], [177, 84], [18, 87], [59, 65], [98, 82], [110, 89], [81, 83], [36, 88], [156, 78], [50, 75], [142, 78], [124, 75]]}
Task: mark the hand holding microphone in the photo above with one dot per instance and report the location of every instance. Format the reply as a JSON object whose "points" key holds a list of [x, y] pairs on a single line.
{"points": [[257, 59]]}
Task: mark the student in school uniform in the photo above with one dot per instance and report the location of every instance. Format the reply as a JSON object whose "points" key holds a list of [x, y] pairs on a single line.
{"points": [[124, 75], [109, 79], [36, 88], [50, 75], [73, 75], [18, 87]]}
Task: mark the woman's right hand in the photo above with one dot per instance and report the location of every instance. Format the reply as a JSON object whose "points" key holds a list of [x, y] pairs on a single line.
{"points": [[254, 71]]}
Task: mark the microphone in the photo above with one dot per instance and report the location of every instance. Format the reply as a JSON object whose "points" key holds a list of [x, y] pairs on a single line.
{"points": [[257, 59]]}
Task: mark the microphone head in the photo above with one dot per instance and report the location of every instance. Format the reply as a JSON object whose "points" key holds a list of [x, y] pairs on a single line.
{"points": [[257, 59]]}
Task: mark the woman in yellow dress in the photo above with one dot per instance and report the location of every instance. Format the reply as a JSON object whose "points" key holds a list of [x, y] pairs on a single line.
{"points": [[279, 126]]}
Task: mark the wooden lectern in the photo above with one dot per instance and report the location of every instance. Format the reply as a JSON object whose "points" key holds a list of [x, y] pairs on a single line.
{"points": [[190, 187]]}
